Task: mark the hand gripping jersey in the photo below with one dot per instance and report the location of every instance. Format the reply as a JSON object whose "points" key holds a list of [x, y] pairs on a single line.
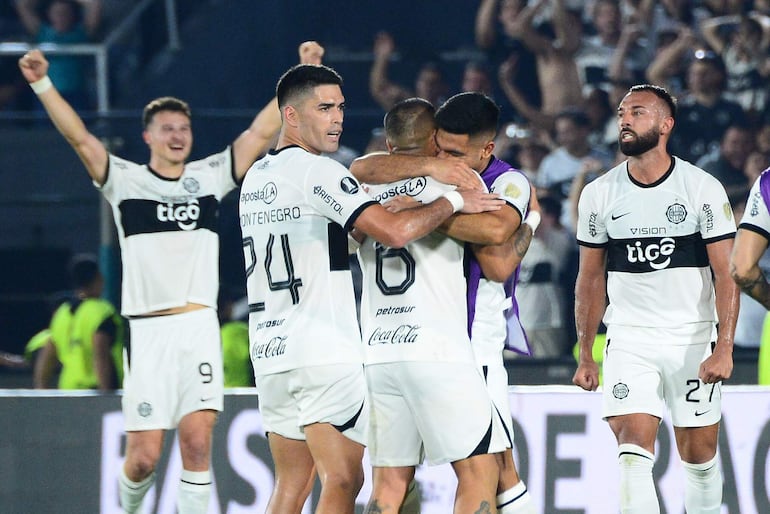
{"points": [[656, 236], [295, 211], [756, 217], [488, 299], [413, 298], [167, 231]]}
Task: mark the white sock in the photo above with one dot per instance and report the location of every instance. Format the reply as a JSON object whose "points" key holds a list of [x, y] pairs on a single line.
{"points": [[515, 500], [703, 487], [132, 493], [637, 490], [194, 492]]}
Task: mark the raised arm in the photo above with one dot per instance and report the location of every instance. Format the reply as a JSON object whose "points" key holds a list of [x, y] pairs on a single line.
{"points": [[590, 303], [383, 91], [255, 141], [719, 366], [484, 28], [667, 61], [382, 168], [744, 265], [710, 28], [91, 151], [534, 115], [27, 12]]}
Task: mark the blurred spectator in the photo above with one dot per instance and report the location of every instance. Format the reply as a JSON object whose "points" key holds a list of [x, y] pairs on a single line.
{"points": [[554, 44], [430, 83], [595, 57], [743, 45], [235, 342], [601, 112], [755, 164], [476, 78], [539, 292], [64, 22], [668, 67], [523, 147], [571, 130], [727, 163], [86, 336], [495, 31], [704, 113]]}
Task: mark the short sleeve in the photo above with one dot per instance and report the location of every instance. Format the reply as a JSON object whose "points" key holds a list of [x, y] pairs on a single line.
{"points": [[335, 193], [716, 215], [514, 188], [591, 226], [756, 217]]}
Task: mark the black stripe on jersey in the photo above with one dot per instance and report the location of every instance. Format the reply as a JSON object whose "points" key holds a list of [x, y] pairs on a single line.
{"points": [[139, 216], [591, 245], [338, 247], [645, 254], [353, 217], [729, 235], [257, 307], [754, 228]]}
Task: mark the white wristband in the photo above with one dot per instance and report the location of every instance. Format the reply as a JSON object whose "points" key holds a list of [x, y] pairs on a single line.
{"points": [[533, 220], [42, 85], [456, 199]]}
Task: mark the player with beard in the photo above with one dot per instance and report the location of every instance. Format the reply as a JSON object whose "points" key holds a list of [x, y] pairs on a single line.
{"points": [[662, 230]]}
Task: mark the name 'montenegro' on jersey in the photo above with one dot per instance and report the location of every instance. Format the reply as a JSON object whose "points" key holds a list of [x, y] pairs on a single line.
{"points": [[413, 298], [167, 231], [295, 210], [655, 236]]}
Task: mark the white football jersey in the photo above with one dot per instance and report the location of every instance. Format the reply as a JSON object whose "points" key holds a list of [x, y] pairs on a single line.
{"points": [[295, 211], [656, 236], [413, 298], [756, 217], [167, 230]]}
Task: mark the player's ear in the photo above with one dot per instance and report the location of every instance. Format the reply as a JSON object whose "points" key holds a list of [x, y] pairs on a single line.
{"points": [[291, 115]]}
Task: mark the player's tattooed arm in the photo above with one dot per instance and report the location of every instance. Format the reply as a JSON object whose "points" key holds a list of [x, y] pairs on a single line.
{"points": [[756, 287]]}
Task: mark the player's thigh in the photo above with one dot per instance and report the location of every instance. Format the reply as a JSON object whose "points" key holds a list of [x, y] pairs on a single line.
{"points": [[394, 439], [633, 382], [452, 410], [692, 402]]}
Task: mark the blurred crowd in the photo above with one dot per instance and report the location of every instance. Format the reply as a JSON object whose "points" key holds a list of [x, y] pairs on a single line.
{"points": [[558, 69]]}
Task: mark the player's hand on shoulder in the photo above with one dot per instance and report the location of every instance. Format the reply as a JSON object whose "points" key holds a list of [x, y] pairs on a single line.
{"points": [[475, 201], [310, 52], [453, 171], [33, 65], [587, 376]]}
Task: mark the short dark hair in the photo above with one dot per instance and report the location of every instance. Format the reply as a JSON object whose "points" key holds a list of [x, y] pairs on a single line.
{"points": [[470, 113], [164, 103], [660, 92], [300, 79], [402, 120], [83, 270]]}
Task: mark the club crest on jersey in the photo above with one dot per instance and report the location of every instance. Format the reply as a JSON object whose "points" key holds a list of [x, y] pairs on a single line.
{"points": [[191, 185], [144, 409], [184, 215], [349, 185], [676, 213], [620, 391]]}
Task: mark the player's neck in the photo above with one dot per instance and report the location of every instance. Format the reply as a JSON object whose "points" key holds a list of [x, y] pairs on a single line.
{"points": [[166, 168], [649, 167]]}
